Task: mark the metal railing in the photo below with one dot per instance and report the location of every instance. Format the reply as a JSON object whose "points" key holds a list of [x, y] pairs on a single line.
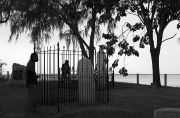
{"points": [[83, 86]]}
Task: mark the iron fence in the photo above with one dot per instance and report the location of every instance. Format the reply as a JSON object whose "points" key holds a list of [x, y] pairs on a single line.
{"points": [[86, 84]]}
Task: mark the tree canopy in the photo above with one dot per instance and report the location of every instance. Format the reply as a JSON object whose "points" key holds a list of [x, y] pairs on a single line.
{"points": [[154, 15], [78, 19], [4, 11]]}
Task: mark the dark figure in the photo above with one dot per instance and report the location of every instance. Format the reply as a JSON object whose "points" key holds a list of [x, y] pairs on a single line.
{"points": [[66, 73], [31, 83]]}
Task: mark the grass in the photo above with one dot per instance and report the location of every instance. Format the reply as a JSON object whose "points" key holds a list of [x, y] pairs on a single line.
{"points": [[126, 101]]}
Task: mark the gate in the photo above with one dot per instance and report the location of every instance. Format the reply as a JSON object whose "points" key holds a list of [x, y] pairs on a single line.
{"points": [[86, 83]]}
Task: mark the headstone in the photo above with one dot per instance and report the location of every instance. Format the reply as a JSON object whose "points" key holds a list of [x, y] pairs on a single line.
{"points": [[167, 113], [18, 75], [101, 68], [86, 82]]}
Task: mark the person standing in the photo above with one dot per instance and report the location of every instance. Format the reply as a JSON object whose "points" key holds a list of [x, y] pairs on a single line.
{"points": [[66, 73], [31, 83]]}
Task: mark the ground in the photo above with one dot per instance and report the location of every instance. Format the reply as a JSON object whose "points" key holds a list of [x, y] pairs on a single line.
{"points": [[126, 101]]}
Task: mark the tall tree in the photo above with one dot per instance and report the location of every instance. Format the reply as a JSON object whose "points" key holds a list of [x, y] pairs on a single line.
{"points": [[154, 15], [42, 17]]}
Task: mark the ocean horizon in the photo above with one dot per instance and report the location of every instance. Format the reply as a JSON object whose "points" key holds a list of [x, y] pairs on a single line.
{"points": [[173, 80]]}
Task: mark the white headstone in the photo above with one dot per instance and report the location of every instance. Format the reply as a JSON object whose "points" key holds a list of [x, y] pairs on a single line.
{"points": [[101, 68], [18, 75], [86, 82]]}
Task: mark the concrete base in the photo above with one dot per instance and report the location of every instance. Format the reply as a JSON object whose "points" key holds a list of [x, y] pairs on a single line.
{"points": [[167, 113]]}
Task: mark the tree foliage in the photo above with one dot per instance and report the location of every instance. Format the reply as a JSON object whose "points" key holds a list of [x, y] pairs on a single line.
{"points": [[4, 11], [2, 63], [74, 19], [154, 15]]}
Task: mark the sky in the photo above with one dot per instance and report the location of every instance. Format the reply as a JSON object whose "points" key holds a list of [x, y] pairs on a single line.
{"points": [[19, 51]]}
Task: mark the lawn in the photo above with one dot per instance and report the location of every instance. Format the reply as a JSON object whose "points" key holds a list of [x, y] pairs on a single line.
{"points": [[125, 101]]}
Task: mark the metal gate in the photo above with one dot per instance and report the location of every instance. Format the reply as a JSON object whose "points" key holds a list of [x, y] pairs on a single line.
{"points": [[86, 83]]}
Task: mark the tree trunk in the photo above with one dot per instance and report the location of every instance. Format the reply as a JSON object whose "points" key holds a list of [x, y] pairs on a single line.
{"points": [[155, 67], [91, 54], [93, 27]]}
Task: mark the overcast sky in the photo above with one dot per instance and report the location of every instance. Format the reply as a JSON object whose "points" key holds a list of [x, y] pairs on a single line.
{"points": [[19, 52]]}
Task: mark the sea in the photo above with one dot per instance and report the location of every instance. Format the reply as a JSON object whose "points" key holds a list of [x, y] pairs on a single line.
{"points": [[173, 80]]}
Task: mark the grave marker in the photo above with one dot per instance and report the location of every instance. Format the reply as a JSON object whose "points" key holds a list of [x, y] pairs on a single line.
{"points": [[86, 81], [101, 68]]}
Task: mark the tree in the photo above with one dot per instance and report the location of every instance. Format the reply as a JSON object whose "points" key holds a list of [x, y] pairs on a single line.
{"points": [[41, 17], [2, 63], [4, 11], [154, 15]]}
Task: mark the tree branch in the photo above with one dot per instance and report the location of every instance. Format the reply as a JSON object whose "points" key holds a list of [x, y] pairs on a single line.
{"points": [[169, 38], [153, 10], [74, 5], [61, 16]]}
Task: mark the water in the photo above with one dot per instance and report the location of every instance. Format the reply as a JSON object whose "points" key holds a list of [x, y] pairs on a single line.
{"points": [[173, 80]]}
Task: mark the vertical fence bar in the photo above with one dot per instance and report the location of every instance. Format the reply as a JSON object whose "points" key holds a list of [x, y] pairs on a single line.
{"points": [[54, 96], [138, 78], [99, 79], [94, 75], [50, 75], [78, 78], [44, 84], [38, 69], [70, 81], [82, 81], [112, 79], [165, 79], [73, 82], [47, 79], [40, 90], [107, 78], [58, 72], [66, 90]]}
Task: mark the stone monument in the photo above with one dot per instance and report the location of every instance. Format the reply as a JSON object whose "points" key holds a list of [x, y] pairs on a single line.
{"points": [[101, 68], [18, 75], [86, 82], [167, 113]]}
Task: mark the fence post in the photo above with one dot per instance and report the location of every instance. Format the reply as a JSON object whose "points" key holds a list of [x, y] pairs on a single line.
{"points": [[107, 78], [58, 72], [138, 78], [44, 84], [113, 78], [165, 79]]}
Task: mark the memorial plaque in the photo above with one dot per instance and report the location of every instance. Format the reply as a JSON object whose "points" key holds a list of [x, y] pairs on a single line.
{"points": [[86, 82]]}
